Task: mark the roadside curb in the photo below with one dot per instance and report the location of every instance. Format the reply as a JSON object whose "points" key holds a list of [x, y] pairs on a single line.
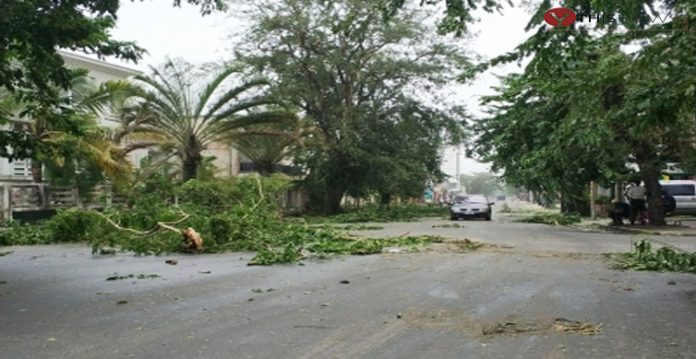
{"points": [[647, 232]]}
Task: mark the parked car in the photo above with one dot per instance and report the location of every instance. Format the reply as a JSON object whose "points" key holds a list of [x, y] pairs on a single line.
{"points": [[684, 193], [472, 205]]}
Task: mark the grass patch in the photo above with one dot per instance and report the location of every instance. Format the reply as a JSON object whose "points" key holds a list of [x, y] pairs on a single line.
{"points": [[2, 254], [557, 219], [644, 258]]}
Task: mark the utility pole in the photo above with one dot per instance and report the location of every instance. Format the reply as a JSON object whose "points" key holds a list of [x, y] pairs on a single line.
{"points": [[459, 174], [593, 195]]}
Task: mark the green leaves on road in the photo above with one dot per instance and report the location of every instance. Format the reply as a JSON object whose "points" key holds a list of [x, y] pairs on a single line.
{"points": [[664, 259]]}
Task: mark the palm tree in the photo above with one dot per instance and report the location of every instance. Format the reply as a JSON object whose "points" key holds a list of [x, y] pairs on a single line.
{"points": [[267, 145], [177, 110], [80, 137]]}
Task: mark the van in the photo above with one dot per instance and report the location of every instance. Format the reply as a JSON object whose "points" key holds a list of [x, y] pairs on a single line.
{"points": [[684, 193]]}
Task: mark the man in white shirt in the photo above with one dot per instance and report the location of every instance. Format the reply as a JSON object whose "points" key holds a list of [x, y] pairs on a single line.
{"points": [[636, 198]]}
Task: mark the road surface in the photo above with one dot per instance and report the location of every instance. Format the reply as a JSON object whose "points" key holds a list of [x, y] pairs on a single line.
{"points": [[501, 301]]}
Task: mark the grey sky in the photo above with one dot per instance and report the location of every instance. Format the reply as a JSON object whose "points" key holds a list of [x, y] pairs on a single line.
{"points": [[181, 32]]}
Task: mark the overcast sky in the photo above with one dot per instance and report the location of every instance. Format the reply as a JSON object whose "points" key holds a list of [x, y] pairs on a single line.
{"points": [[182, 32]]}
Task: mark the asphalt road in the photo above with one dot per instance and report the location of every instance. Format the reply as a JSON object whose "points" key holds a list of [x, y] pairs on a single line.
{"points": [[499, 302]]}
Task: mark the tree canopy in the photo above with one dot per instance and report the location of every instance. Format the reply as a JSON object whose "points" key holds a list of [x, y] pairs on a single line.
{"points": [[584, 109], [30, 66], [188, 110], [355, 75]]}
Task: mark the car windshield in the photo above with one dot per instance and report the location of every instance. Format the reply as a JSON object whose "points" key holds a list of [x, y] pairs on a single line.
{"points": [[471, 199]]}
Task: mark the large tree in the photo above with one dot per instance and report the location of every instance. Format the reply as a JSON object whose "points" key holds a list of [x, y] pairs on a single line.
{"points": [[347, 67], [584, 109], [185, 109]]}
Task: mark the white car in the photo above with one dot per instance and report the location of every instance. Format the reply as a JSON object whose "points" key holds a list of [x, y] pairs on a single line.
{"points": [[471, 205], [684, 193]]}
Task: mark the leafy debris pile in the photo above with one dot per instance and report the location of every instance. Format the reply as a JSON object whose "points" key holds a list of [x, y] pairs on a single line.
{"points": [[323, 242], [664, 259], [556, 219]]}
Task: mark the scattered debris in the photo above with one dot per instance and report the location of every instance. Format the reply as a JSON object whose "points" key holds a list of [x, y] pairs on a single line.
{"points": [[250, 300], [51, 339], [559, 325], [345, 281], [399, 316], [204, 271], [107, 251], [130, 276], [326, 304], [361, 227], [448, 225], [171, 262], [3, 282], [671, 283], [257, 290], [664, 259], [565, 325], [121, 302], [2, 254], [511, 328]]}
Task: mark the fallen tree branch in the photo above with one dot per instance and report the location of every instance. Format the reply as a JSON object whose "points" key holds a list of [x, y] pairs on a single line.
{"points": [[192, 239], [261, 198]]}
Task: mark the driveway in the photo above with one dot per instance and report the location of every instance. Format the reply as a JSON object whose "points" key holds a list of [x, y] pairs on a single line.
{"points": [[535, 292]]}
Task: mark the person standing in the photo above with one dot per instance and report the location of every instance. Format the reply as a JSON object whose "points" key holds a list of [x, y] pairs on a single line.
{"points": [[636, 197]]}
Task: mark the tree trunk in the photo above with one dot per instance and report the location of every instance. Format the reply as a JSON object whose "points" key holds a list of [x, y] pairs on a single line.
{"points": [[264, 168], [649, 172], [384, 200], [656, 213], [574, 204], [332, 199], [191, 165]]}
